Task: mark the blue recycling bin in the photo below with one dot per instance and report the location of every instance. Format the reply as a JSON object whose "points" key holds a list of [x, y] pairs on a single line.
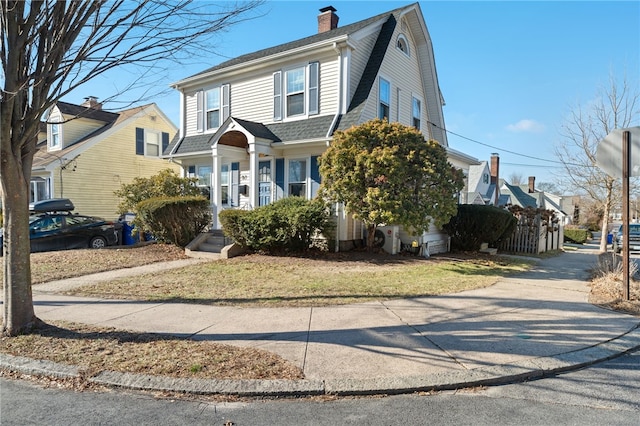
{"points": [[609, 238], [129, 236]]}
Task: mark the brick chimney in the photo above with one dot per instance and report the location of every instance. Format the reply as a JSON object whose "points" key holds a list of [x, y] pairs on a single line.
{"points": [[327, 20], [532, 184], [495, 168], [91, 102]]}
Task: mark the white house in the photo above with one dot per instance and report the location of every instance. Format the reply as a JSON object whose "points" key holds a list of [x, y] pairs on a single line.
{"points": [[252, 128]]}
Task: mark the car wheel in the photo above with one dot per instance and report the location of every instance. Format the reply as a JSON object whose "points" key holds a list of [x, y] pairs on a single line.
{"points": [[97, 243]]}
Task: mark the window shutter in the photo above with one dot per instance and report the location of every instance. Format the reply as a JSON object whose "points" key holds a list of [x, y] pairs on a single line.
{"points": [[200, 111], [315, 176], [314, 68], [139, 141], [165, 142], [192, 171], [226, 110], [277, 96], [279, 179], [235, 185]]}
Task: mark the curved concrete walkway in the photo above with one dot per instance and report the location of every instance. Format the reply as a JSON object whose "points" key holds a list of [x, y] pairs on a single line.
{"points": [[526, 326]]}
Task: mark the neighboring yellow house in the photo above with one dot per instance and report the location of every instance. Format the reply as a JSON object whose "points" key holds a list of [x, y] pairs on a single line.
{"points": [[89, 153]]}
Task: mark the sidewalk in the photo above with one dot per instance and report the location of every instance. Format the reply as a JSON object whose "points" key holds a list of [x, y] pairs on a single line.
{"points": [[526, 326]]}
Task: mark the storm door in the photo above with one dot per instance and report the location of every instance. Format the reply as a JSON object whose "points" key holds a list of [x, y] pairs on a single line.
{"points": [[264, 183]]}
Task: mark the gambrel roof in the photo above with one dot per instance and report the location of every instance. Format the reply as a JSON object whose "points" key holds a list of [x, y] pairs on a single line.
{"points": [[316, 38], [314, 127]]}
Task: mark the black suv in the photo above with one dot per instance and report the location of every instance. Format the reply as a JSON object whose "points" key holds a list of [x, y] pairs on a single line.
{"points": [[52, 226]]}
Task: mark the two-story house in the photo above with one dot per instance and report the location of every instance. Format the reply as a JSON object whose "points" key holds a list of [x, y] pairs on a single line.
{"points": [[86, 153], [252, 128]]}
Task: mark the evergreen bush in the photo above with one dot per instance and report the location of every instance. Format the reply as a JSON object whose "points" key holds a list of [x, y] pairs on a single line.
{"points": [[476, 224]]}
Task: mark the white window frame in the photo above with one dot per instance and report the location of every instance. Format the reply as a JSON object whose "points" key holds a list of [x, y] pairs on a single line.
{"points": [[305, 181], [55, 141], [417, 99], [147, 142], [310, 92], [203, 173], [226, 166], [33, 189], [302, 92], [212, 108], [402, 44], [382, 103]]}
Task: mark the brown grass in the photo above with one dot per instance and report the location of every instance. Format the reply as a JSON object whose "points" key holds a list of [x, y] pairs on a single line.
{"points": [[303, 281]]}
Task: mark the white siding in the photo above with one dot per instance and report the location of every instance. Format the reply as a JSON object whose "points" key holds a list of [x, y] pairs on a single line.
{"points": [[404, 73], [252, 99], [329, 79], [190, 111], [251, 95]]}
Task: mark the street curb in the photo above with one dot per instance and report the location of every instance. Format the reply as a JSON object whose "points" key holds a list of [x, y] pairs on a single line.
{"points": [[529, 369]]}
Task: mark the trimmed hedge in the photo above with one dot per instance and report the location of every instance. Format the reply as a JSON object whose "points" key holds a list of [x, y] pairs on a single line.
{"points": [[176, 220], [289, 224], [477, 224], [575, 235]]}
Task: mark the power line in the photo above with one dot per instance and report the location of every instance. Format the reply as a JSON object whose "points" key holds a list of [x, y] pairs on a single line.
{"points": [[560, 163]]}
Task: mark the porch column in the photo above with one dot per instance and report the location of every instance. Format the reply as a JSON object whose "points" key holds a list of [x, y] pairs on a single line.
{"points": [[216, 194], [253, 176]]}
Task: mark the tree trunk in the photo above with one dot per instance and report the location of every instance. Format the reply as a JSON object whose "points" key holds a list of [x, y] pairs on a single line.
{"points": [[18, 313], [371, 233]]}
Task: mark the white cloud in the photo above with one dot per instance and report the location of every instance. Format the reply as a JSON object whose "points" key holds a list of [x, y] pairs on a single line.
{"points": [[529, 126]]}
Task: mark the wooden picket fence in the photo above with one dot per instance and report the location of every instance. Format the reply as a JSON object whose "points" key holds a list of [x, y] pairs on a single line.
{"points": [[533, 236]]}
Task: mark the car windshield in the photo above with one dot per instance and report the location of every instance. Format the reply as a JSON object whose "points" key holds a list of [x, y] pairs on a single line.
{"points": [[634, 228]]}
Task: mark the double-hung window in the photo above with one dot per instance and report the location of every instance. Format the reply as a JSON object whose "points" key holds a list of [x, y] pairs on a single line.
{"points": [[298, 178], [150, 142], [212, 107], [296, 91], [384, 95], [54, 142], [416, 112]]}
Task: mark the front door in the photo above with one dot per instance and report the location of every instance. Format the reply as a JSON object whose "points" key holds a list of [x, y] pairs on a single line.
{"points": [[264, 183]]}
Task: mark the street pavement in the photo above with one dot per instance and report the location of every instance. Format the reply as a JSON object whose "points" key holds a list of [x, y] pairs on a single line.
{"points": [[526, 326]]}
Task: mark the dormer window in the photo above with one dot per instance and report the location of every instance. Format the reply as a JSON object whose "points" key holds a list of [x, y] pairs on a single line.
{"points": [[402, 44], [54, 140]]}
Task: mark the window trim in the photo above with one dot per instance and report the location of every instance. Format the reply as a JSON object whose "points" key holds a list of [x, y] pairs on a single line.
{"points": [[147, 143], [382, 103], [302, 92], [305, 181], [417, 99], [207, 109], [55, 135], [310, 92], [402, 44]]}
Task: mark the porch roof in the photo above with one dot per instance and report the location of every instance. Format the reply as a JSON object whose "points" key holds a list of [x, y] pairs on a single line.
{"points": [[312, 128]]}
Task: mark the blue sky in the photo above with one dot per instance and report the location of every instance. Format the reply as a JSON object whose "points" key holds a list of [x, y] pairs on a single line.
{"points": [[510, 71]]}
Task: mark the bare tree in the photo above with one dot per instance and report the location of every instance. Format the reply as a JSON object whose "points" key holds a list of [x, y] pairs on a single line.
{"points": [[516, 179], [49, 48], [616, 106]]}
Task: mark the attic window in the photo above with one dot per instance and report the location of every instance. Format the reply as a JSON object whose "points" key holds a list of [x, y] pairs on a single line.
{"points": [[54, 141], [403, 44]]}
